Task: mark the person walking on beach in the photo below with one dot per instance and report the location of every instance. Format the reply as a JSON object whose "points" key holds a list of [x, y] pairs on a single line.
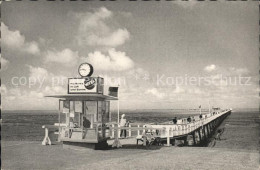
{"points": [[123, 124]]}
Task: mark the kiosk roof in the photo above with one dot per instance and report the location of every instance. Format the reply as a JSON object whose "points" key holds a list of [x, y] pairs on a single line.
{"points": [[84, 97]]}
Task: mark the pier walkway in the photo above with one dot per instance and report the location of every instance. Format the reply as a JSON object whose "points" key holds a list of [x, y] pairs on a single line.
{"points": [[199, 128]]}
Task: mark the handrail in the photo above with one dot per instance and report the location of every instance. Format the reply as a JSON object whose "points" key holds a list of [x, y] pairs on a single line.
{"points": [[178, 129], [134, 128]]}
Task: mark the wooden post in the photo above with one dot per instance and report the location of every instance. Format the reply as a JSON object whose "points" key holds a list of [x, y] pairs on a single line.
{"points": [[168, 136], [113, 131], [194, 141], [207, 126], [110, 117], [59, 135], [185, 140], [144, 142], [129, 131], [138, 131], [199, 134], [176, 130], [173, 142], [46, 139], [204, 132], [119, 130], [210, 127], [116, 141]]}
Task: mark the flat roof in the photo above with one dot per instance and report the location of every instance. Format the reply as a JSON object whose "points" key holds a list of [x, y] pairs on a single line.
{"points": [[91, 97]]}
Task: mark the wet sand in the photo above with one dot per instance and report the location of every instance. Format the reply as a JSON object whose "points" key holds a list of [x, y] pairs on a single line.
{"points": [[237, 149]]}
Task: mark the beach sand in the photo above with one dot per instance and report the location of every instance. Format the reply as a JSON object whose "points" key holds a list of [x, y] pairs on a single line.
{"points": [[32, 155], [237, 149]]}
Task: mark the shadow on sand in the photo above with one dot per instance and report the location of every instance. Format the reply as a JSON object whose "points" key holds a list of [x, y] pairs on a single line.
{"points": [[134, 146]]}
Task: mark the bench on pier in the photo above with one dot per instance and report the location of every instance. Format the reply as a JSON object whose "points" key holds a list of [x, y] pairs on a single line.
{"points": [[149, 136]]}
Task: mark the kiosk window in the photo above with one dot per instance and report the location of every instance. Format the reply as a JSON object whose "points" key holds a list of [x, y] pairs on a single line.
{"points": [[101, 108], [72, 109], [78, 106], [66, 110], [78, 113], [63, 112], [91, 111]]}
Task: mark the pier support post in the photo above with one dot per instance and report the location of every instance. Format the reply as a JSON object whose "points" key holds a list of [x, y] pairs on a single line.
{"points": [[113, 131], [116, 141], [199, 134], [138, 131], [207, 126], [185, 140], [174, 142], [130, 132], [204, 132], [210, 127], [168, 136], [194, 140], [143, 129]]}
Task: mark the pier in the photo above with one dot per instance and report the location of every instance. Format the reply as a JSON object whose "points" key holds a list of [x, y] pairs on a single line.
{"points": [[85, 119], [200, 130]]}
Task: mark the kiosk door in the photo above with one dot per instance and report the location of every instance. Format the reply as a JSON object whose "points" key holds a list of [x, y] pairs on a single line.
{"points": [[91, 112], [63, 111]]}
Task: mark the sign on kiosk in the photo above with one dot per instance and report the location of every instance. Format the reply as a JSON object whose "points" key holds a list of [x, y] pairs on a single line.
{"points": [[86, 85]]}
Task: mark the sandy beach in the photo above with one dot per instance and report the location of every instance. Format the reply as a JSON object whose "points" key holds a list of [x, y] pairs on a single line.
{"points": [[237, 149], [31, 155], [102, 85]]}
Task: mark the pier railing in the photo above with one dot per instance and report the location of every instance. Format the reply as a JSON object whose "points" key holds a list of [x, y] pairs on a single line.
{"points": [[165, 130]]}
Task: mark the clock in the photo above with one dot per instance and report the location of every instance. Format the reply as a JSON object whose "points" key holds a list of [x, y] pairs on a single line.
{"points": [[85, 69]]}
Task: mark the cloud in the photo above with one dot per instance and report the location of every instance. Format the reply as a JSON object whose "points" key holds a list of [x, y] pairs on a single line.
{"points": [[210, 68], [16, 41], [40, 77], [224, 71], [239, 71], [114, 61], [50, 90], [116, 38], [155, 92], [94, 31], [38, 72], [125, 14], [3, 89], [186, 4], [4, 63], [66, 57], [21, 99]]}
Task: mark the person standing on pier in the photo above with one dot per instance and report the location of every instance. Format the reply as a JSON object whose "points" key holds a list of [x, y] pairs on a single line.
{"points": [[123, 124]]}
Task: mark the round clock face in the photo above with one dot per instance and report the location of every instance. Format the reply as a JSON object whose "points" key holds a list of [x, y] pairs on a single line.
{"points": [[85, 69]]}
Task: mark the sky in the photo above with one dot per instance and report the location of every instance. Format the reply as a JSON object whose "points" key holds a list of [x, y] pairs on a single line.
{"points": [[163, 55]]}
